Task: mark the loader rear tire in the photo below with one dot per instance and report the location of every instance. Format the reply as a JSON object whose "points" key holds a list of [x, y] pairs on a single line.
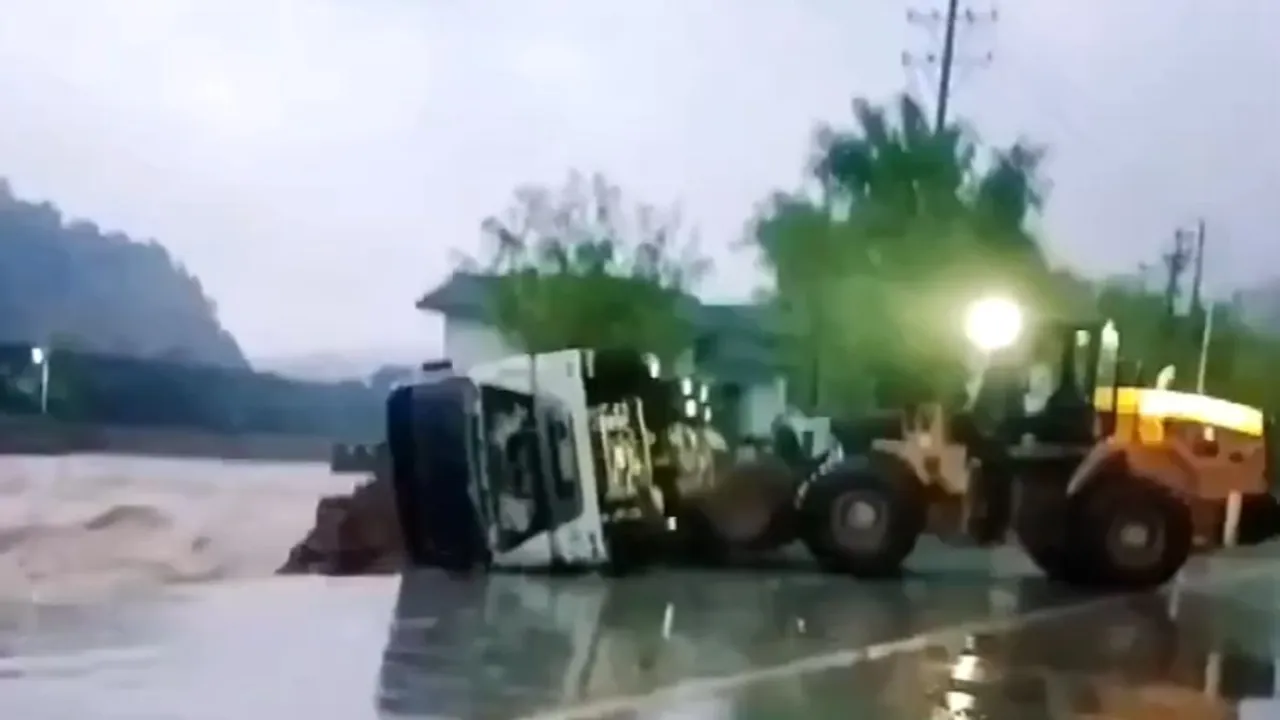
{"points": [[1057, 563], [864, 517], [1130, 533], [1043, 532]]}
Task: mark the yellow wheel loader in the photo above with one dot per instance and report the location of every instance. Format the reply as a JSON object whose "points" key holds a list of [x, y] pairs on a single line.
{"points": [[1105, 483]]}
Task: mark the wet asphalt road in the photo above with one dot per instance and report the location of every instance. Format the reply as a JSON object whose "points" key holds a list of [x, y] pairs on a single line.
{"points": [[966, 636]]}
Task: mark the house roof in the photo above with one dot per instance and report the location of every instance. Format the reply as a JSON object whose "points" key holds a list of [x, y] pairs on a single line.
{"points": [[734, 340], [463, 295]]}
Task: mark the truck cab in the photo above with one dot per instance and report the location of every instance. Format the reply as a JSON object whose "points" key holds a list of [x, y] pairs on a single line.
{"points": [[569, 458]]}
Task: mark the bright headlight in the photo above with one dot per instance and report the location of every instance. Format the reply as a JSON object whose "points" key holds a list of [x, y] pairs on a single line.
{"points": [[993, 323]]}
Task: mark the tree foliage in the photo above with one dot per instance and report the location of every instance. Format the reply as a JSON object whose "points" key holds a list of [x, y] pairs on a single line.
{"points": [[576, 266], [907, 225], [872, 268]]}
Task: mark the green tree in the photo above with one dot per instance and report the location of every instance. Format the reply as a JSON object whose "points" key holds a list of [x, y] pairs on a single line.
{"points": [[577, 266], [1239, 359], [871, 271]]}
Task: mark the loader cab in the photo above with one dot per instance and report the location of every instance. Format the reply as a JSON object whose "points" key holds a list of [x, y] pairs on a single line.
{"points": [[1048, 387], [1088, 362]]}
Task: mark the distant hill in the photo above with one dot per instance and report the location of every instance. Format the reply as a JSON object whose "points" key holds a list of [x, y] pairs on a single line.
{"points": [[73, 284], [339, 366]]}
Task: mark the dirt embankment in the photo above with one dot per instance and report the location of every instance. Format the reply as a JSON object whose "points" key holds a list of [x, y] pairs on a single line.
{"points": [[357, 533]]}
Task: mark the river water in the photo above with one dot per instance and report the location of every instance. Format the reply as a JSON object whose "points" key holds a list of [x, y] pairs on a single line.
{"points": [[81, 526]]}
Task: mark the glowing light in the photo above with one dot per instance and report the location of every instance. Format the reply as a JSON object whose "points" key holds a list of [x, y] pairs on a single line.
{"points": [[993, 323], [967, 668], [691, 408]]}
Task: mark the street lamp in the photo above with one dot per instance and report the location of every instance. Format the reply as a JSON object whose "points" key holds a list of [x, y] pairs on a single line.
{"points": [[993, 324], [40, 358]]}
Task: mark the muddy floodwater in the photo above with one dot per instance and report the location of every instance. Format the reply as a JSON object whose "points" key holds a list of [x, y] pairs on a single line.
{"points": [[83, 525]]}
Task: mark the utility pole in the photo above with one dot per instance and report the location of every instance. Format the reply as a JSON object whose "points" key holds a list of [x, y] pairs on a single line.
{"points": [[948, 58], [1176, 262], [1201, 316], [1197, 277]]}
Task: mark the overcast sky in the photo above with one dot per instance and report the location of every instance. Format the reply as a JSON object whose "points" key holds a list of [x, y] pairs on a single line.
{"points": [[315, 162]]}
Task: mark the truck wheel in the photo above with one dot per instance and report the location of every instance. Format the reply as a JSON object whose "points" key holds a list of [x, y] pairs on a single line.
{"points": [[1132, 534], [863, 519], [750, 509], [697, 542]]}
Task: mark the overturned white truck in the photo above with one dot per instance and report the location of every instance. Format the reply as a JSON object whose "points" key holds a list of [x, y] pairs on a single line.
{"points": [[569, 459]]}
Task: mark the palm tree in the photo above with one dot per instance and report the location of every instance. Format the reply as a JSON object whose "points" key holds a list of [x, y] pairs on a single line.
{"points": [[922, 197], [908, 223]]}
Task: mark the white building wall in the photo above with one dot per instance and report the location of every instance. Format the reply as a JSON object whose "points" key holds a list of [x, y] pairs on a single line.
{"points": [[761, 404], [468, 342]]}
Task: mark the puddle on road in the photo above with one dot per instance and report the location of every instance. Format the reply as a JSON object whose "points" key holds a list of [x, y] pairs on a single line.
{"points": [[506, 645]]}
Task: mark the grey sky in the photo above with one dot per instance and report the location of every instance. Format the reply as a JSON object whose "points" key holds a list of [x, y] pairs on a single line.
{"points": [[316, 161]]}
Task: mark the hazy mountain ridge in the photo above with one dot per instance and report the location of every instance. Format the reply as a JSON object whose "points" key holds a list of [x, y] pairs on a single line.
{"points": [[73, 284], [337, 366]]}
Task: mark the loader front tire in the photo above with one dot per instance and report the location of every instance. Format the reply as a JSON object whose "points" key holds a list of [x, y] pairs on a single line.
{"points": [[863, 517]]}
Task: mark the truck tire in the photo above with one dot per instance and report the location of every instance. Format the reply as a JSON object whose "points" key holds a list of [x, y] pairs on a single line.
{"points": [[863, 517], [749, 509], [1129, 533]]}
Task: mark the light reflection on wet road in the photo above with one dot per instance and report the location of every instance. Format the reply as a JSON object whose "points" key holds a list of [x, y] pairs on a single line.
{"points": [[951, 641]]}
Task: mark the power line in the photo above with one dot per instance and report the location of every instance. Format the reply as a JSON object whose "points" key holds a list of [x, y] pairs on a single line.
{"points": [[946, 59]]}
